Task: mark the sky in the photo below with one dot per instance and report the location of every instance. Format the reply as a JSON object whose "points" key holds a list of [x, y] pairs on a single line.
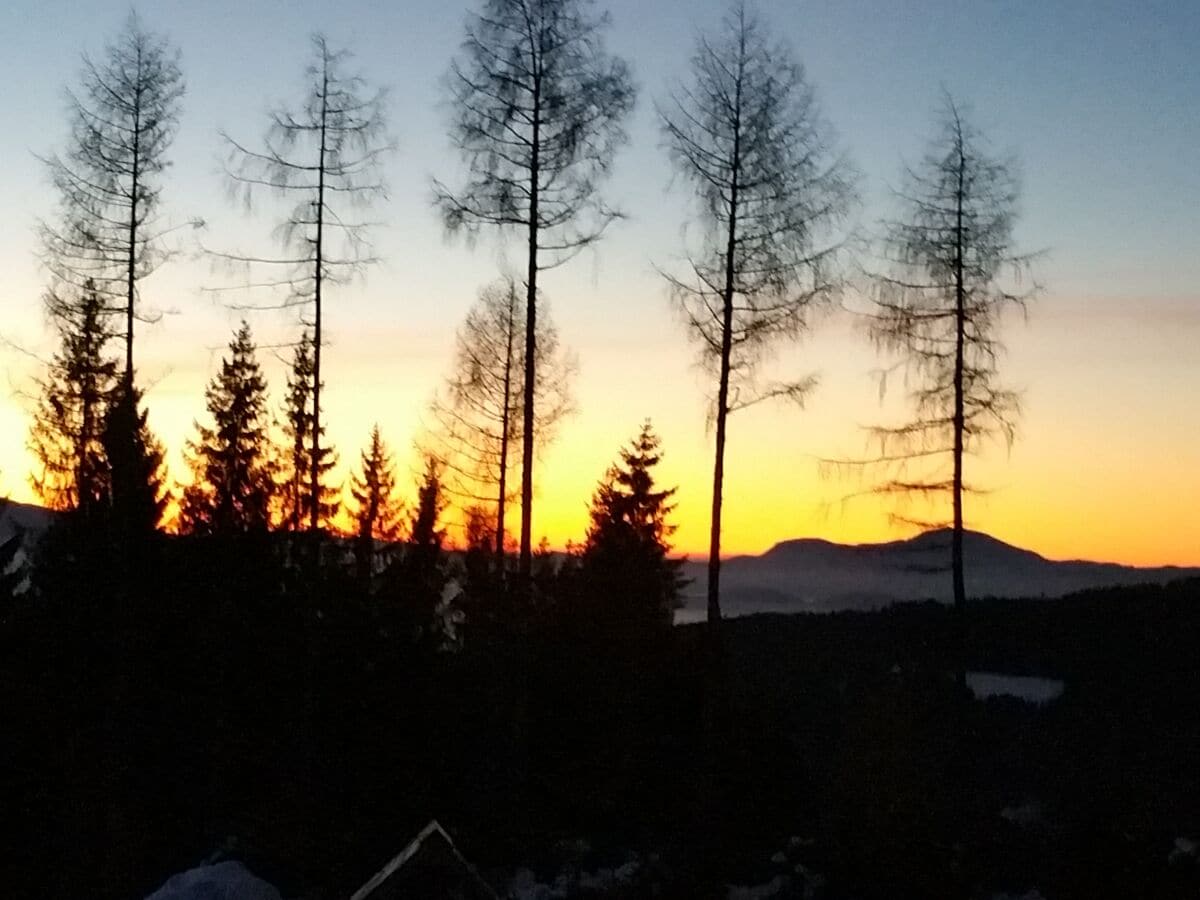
{"points": [[1099, 101]]}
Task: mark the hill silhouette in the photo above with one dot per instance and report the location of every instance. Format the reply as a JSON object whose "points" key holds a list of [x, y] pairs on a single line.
{"points": [[28, 517], [816, 575]]}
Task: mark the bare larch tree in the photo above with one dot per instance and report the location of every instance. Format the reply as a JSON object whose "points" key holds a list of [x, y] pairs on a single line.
{"points": [[746, 135], [952, 270], [325, 156], [478, 420], [538, 106], [110, 230]]}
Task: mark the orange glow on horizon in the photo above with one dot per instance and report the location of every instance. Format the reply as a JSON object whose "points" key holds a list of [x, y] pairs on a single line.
{"points": [[1103, 468]]}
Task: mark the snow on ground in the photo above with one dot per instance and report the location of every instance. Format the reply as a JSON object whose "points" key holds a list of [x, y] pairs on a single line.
{"points": [[1031, 689], [525, 886], [227, 880]]}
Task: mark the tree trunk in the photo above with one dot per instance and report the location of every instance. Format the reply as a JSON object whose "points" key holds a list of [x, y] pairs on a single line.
{"points": [[960, 591], [315, 463], [505, 432], [714, 541], [526, 560], [135, 178]]}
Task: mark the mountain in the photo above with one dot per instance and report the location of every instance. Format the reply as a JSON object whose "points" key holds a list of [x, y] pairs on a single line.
{"points": [[27, 517], [812, 575]]}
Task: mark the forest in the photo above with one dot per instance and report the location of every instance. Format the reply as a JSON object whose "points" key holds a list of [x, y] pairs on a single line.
{"points": [[251, 655]]}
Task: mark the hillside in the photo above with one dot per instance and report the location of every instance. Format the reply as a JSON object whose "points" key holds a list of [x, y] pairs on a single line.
{"points": [[24, 516], [812, 575]]}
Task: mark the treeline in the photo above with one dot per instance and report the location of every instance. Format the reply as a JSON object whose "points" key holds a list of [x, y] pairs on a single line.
{"points": [[244, 697], [537, 109], [317, 697]]}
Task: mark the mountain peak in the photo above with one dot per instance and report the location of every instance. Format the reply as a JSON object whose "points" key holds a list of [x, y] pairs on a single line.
{"points": [[975, 543]]}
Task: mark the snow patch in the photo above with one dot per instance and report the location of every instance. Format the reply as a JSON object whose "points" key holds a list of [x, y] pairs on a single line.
{"points": [[1031, 689], [227, 880]]}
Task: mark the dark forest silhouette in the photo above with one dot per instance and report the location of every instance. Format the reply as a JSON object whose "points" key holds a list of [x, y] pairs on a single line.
{"points": [[255, 669]]}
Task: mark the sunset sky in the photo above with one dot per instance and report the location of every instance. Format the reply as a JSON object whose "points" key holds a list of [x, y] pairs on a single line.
{"points": [[1099, 100]]}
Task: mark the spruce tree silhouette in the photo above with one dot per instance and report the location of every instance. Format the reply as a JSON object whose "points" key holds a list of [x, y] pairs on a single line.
{"points": [[135, 459], [66, 433], [325, 157], [417, 580], [299, 505], [378, 509], [631, 583], [232, 485]]}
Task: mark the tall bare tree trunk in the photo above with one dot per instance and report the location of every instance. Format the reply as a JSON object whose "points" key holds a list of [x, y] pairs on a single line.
{"points": [[505, 432], [714, 541], [960, 591], [315, 463], [133, 205], [526, 560]]}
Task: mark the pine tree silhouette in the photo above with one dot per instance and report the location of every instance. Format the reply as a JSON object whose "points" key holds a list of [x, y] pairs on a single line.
{"points": [[297, 499], [232, 484], [66, 435], [135, 458], [629, 580], [377, 509], [418, 579]]}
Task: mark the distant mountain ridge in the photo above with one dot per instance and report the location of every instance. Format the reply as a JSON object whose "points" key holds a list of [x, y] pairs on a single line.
{"points": [[816, 575], [26, 517]]}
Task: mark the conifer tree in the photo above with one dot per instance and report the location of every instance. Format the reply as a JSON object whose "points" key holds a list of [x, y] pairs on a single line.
{"points": [[627, 576], [232, 484], [377, 509], [68, 424], [138, 496], [420, 576], [324, 157], [426, 532], [297, 498]]}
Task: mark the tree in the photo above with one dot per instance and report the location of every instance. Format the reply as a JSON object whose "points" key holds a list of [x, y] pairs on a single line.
{"points": [[624, 565], [123, 121], [378, 509], [326, 157], [135, 459], [66, 434], [479, 422], [418, 578], [232, 482], [425, 532], [538, 111], [746, 135], [301, 503], [940, 306]]}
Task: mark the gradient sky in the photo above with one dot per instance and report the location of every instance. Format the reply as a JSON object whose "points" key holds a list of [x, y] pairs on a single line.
{"points": [[1099, 100]]}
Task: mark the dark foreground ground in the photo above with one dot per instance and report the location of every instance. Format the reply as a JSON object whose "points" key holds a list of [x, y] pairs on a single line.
{"points": [[134, 742]]}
